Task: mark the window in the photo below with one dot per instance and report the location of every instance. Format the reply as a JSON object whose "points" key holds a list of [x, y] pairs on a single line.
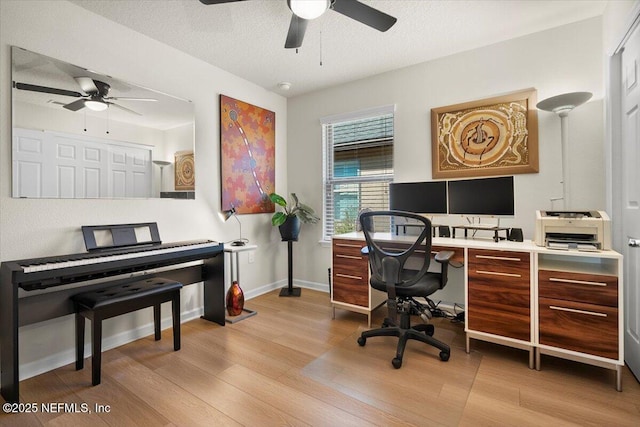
{"points": [[358, 166]]}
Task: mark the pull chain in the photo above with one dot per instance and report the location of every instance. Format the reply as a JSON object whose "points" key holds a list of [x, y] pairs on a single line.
{"points": [[321, 48]]}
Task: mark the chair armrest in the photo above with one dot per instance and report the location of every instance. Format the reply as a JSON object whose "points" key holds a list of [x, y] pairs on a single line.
{"points": [[443, 257]]}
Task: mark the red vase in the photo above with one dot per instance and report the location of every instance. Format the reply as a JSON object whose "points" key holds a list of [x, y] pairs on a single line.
{"points": [[235, 299]]}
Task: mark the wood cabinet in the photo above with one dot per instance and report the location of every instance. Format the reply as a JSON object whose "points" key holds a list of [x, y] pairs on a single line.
{"points": [[350, 288], [499, 297], [579, 308]]}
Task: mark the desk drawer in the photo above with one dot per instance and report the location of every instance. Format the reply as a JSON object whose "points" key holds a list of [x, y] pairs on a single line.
{"points": [[348, 247], [499, 293], [587, 288], [585, 328], [350, 290], [501, 263]]}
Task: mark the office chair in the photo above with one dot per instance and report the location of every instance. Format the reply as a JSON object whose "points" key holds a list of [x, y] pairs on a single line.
{"points": [[392, 273]]}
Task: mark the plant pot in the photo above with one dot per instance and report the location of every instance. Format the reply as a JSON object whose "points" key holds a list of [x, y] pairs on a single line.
{"points": [[290, 229]]}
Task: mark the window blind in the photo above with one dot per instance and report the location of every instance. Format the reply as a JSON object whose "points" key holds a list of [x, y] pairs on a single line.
{"points": [[358, 167]]}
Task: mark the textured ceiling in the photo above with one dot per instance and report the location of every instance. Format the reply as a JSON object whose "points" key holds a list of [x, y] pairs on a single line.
{"points": [[246, 38]]}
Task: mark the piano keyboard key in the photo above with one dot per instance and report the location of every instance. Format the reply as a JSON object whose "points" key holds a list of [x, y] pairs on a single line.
{"points": [[109, 257]]}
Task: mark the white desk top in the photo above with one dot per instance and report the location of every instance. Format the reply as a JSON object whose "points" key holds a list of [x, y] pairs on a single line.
{"points": [[482, 243]]}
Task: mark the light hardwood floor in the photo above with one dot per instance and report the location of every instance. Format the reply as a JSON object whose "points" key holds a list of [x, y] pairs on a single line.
{"points": [[293, 365]]}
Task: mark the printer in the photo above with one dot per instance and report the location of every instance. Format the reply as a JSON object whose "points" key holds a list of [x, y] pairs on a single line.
{"points": [[579, 230]]}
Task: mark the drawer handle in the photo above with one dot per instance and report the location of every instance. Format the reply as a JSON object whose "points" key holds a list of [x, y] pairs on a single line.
{"points": [[502, 258], [579, 282], [495, 273], [348, 256], [346, 276], [350, 246], [573, 310]]}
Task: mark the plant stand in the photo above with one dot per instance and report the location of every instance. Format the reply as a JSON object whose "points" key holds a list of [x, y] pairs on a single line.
{"points": [[290, 291]]}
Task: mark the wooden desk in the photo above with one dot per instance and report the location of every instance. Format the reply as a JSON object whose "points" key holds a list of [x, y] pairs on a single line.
{"points": [[567, 304]]}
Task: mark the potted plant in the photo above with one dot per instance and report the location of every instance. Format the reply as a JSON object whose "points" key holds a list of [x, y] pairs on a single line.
{"points": [[289, 221]]}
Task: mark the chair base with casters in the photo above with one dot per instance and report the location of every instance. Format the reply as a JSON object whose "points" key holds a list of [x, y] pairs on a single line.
{"points": [[420, 332]]}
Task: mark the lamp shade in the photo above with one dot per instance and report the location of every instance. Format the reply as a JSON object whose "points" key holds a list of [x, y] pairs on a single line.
{"points": [[562, 104], [228, 213], [308, 9]]}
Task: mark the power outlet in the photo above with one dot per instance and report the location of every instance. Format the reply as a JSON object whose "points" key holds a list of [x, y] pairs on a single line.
{"points": [[252, 257]]}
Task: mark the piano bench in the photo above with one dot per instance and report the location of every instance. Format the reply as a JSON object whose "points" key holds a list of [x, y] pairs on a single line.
{"points": [[114, 301]]}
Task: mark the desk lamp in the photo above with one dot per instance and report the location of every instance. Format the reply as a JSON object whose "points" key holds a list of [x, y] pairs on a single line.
{"points": [[232, 213], [562, 105]]}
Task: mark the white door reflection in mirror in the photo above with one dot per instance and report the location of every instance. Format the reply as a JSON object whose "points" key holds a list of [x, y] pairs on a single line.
{"points": [[58, 165]]}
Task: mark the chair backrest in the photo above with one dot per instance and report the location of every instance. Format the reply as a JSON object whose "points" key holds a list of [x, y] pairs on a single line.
{"points": [[388, 256]]}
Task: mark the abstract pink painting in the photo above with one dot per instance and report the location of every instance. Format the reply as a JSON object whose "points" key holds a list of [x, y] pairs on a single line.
{"points": [[247, 156]]}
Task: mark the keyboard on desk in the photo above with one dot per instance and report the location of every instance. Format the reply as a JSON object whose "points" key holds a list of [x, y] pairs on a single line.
{"points": [[40, 273]]}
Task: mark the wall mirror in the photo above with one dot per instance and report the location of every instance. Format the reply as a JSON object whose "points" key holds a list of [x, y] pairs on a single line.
{"points": [[77, 133]]}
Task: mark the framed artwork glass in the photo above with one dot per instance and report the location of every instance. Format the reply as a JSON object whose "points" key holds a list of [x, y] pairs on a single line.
{"points": [[493, 136]]}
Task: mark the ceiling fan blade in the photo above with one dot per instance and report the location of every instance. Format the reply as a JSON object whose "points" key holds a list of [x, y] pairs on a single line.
{"points": [[117, 98], [75, 105], [87, 84], [297, 28], [365, 14], [217, 1], [124, 108], [44, 89]]}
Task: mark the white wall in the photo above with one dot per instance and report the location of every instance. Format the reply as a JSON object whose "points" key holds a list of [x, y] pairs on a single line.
{"points": [[33, 228], [556, 61]]}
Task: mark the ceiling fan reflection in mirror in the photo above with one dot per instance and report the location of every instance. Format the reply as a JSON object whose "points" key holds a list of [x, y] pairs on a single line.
{"points": [[96, 95], [306, 10]]}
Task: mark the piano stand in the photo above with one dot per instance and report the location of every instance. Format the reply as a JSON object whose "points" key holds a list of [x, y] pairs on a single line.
{"points": [[107, 303]]}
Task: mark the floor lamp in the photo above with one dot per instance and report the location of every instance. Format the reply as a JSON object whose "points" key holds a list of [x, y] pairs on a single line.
{"points": [[162, 164], [562, 105]]}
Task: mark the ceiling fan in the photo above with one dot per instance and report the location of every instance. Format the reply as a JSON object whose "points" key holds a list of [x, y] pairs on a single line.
{"points": [[96, 95], [306, 10]]}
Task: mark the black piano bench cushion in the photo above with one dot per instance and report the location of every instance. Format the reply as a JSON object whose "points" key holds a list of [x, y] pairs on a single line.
{"points": [[121, 299], [126, 292]]}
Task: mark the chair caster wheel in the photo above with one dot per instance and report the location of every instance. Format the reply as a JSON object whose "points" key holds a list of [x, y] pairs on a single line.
{"points": [[397, 363], [362, 341], [444, 356]]}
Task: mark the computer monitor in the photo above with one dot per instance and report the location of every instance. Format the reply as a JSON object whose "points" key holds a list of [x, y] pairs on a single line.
{"points": [[482, 197], [428, 197]]}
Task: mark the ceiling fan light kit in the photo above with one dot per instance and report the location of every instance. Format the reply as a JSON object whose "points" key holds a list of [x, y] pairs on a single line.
{"points": [[96, 105], [308, 9]]}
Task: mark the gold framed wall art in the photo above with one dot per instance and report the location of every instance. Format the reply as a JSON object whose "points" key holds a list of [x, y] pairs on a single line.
{"points": [[488, 137], [185, 171]]}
